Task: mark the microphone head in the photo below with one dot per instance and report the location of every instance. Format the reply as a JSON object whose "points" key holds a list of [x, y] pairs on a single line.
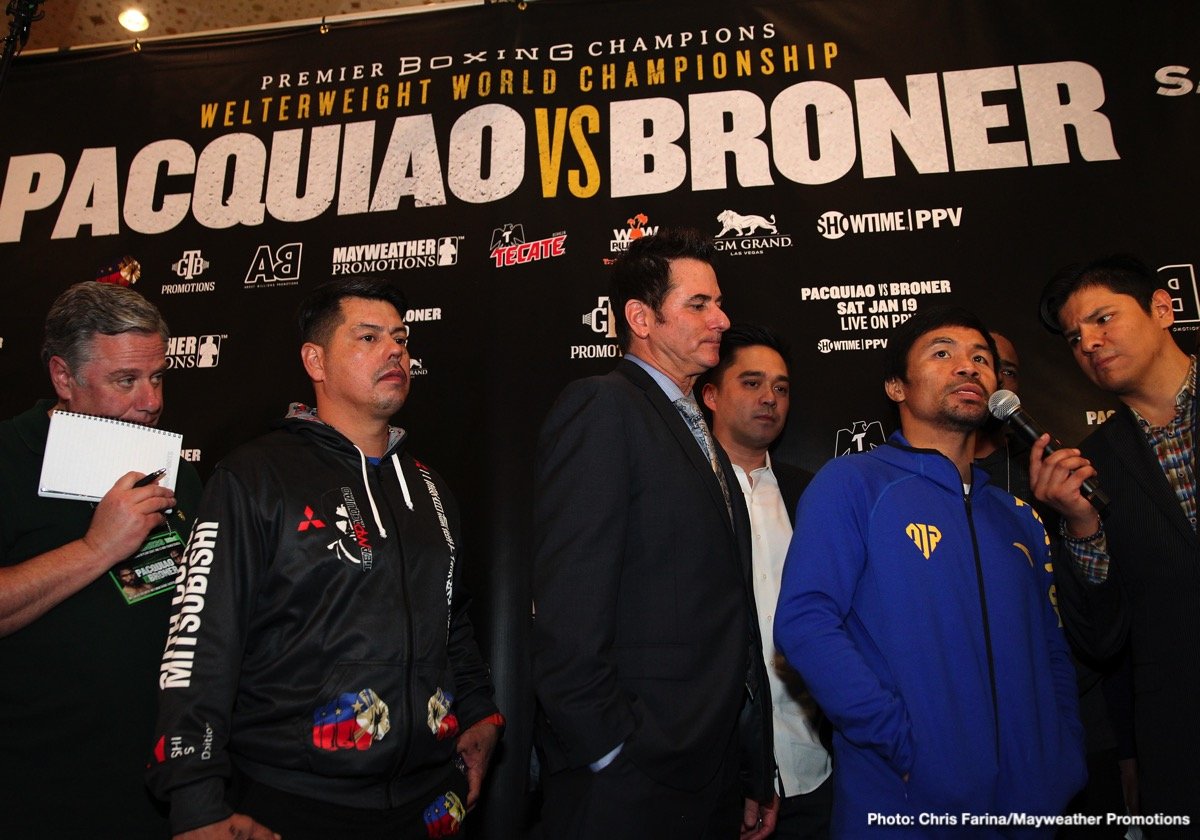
{"points": [[1003, 403]]}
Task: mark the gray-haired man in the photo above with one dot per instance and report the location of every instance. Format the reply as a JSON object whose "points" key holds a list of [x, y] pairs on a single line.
{"points": [[79, 653]]}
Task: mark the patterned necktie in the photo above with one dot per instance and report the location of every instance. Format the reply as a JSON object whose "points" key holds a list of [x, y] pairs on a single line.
{"points": [[695, 420]]}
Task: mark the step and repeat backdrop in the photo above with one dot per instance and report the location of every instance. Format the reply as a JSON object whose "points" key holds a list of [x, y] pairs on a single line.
{"points": [[854, 161]]}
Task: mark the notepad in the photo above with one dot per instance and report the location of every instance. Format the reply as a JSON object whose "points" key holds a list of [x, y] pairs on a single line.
{"points": [[86, 455]]}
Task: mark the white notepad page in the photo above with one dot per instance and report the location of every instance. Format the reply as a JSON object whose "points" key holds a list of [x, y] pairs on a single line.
{"points": [[86, 455]]}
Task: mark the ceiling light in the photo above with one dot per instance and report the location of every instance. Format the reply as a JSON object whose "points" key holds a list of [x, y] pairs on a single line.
{"points": [[134, 20]]}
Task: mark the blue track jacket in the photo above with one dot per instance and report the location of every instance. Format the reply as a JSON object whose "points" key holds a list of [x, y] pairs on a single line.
{"points": [[924, 623]]}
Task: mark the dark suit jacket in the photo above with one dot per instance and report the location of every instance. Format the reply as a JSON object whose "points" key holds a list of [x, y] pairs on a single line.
{"points": [[1151, 599], [644, 629], [792, 481]]}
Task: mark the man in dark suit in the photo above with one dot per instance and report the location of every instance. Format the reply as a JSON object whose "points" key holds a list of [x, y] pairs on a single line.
{"points": [[1135, 573], [647, 662], [749, 393]]}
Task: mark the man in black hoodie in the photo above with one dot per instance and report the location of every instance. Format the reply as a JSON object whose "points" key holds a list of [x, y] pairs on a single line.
{"points": [[321, 675]]}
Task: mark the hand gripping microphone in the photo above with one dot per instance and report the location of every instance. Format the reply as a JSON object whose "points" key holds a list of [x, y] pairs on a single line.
{"points": [[1006, 407]]}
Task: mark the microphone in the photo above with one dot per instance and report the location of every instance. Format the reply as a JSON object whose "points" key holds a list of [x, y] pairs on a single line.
{"points": [[1006, 407]]}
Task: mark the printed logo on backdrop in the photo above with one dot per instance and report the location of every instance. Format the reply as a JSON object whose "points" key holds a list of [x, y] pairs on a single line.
{"points": [[862, 436], [192, 456], [188, 267], [834, 224], [1095, 418], [1174, 80], [275, 267], [748, 233], [1180, 281], [396, 256], [602, 320], [510, 247], [416, 367], [869, 308], [635, 228], [194, 351]]}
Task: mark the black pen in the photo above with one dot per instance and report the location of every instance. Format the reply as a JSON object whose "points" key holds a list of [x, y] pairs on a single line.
{"points": [[151, 478]]}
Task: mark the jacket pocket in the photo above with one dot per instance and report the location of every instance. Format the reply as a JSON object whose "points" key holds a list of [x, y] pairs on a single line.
{"points": [[355, 721]]}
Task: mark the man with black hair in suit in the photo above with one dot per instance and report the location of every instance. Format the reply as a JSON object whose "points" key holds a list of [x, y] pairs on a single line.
{"points": [[1133, 574], [647, 663], [749, 393]]}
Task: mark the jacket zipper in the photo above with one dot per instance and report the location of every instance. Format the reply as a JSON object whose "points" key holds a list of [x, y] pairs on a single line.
{"points": [[987, 632], [409, 717]]}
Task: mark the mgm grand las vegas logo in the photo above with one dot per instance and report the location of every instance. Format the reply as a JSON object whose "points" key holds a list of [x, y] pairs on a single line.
{"points": [[744, 234]]}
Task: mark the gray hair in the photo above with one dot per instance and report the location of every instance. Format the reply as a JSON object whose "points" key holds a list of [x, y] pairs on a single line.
{"points": [[89, 309]]}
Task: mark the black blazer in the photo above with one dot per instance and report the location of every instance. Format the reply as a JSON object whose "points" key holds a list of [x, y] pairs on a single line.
{"points": [[792, 481], [1152, 600], [644, 630]]}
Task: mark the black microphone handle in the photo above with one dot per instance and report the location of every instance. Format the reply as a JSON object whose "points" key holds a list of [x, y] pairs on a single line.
{"points": [[1028, 428]]}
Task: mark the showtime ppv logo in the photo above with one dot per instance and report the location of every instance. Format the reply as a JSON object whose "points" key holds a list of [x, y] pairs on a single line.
{"points": [[834, 224], [509, 246]]}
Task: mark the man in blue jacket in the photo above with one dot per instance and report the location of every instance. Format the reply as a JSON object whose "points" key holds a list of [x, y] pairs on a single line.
{"points": [[917, 602]]}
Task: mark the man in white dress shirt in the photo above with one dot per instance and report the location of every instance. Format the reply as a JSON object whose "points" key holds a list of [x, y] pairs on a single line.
{"points": [[748, 395]]}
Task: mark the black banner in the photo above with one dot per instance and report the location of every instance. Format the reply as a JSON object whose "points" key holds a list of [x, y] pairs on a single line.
{"points": [[855, 161]]}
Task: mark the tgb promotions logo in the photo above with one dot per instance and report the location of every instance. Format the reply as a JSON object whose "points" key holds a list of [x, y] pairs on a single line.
{"points": [[189, 267], [834, 224], [510, 247], [636, 227], [275, 267], [194, 351], [603, 321], [860, 437], [744, 234]]}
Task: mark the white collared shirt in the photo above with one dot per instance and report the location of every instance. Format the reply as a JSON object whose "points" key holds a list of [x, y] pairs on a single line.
{"points": [[803, 762]]}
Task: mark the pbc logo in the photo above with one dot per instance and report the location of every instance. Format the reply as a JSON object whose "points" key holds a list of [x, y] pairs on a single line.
{"points": [[924, 537], [860, 437], [275, 267]]}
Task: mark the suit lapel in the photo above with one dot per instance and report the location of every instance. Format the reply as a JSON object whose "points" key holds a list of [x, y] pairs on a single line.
{"points": [[683, 435], [1136, 455]]}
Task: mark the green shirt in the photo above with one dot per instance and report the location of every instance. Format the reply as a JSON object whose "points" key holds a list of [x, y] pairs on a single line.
{"points": [[78, 686]]}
